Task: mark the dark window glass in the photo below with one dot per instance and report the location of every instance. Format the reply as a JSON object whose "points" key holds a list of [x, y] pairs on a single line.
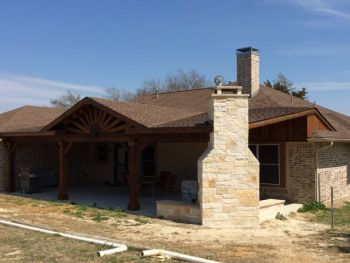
{"points": [[253, 149], [148, 164], [102, 153], [148, 154], [148, 169], [269, 174], [268, 154]]}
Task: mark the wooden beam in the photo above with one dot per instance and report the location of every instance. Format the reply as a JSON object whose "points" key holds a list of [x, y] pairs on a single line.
{"points": [[119, 128], [102, 118], [81, 127], [62, 176], [99, 116], [170, 130], [134, 176], [83, 121], [74, 130], [111, 125], [95, 113], [106, 121]]}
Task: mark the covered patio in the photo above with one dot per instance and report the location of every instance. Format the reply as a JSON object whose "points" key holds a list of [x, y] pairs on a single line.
{"points": [[76, 172]]}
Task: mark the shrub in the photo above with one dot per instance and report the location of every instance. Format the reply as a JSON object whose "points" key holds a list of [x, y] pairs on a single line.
{"points": [[312, 206]]}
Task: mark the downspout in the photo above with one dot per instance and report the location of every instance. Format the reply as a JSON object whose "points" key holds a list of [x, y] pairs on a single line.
{"points": [[317, 176]]}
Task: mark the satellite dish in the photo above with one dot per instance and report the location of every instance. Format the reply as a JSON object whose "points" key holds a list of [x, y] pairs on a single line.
{"points": [[218, 80]]}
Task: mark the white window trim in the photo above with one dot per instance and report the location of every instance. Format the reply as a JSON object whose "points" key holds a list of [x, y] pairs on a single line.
{"points": [[257, 145]]}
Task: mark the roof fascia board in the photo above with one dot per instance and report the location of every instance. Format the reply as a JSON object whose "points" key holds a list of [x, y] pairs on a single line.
{"points": [[287, 117]]}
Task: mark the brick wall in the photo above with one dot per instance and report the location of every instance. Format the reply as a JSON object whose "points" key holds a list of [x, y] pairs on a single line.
{"points": [[248, 72], [38, 157], [333, 169], [300, 173], [3, 166]]}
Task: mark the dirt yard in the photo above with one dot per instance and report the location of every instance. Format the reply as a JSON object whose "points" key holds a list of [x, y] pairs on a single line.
{"points": [[19, 245], [297, 239]]}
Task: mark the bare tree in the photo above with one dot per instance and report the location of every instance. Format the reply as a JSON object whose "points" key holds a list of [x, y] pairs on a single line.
{"points": [[67, 100], [185, 81], [118, 94], [150, 86], [181, 80], [282, 83]]}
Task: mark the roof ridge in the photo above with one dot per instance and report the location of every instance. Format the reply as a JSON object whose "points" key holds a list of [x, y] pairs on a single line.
{"points": [[178, 91], [144, 104]]}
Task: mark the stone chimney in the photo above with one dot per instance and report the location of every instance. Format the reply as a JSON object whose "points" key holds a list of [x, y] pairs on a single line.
{"points": [[228, 173], [248, 69]]}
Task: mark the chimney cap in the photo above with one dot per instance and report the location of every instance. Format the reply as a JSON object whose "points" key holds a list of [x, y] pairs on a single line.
{"points": [[247, 50]]}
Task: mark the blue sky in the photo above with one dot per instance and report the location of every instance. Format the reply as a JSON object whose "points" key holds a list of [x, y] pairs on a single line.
{"points": [[47, 47]]}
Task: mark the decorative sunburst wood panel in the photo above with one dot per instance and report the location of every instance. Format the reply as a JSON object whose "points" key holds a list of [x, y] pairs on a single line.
{"points": [[92, 120]]}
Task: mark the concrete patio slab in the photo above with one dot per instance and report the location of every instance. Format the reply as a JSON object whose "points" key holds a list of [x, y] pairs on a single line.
{"points": [[106, 196]]}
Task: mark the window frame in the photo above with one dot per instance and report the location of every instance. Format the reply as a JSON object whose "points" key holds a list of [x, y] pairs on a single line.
{"points": [[257, 145]]}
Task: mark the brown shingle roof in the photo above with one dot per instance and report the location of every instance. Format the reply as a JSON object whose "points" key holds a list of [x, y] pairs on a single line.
{"points": [[149, 115], [266, 104], [28, 118], [182, 109]]}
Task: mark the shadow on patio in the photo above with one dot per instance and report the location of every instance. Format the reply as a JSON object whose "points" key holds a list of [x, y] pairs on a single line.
{"points": [[106, 196]]}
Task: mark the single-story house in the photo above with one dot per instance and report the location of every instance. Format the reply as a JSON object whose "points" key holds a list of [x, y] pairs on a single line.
{"points": [[242, 142]]}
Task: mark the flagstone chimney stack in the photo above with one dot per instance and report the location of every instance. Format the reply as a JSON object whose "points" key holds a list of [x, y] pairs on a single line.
{"points": [[228, 173], [248, 69]]}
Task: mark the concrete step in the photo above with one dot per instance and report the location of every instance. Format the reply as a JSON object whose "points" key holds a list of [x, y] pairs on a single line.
{"points": [[270, 207]]}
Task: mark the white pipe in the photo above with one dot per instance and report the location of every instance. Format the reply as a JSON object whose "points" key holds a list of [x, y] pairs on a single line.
{"points": [[116, 247], [184, 257]]}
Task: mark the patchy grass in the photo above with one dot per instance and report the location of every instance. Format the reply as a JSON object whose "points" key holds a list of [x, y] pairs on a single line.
{"points": [[19, 245], [93, 212], [294, 240], [312, 207], [341, 216], [142, 220]]}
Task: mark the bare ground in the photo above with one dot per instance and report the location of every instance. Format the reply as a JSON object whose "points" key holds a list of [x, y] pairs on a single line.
{"points": [[293, 240]]}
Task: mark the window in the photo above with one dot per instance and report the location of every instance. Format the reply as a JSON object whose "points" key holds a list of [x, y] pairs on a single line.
{"points": [[101, 152], [148, 163], [268, 156]]}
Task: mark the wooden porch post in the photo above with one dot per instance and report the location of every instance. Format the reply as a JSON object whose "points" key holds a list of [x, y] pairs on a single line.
{"points": [[11, 148], [134, 175], [63, 148]]}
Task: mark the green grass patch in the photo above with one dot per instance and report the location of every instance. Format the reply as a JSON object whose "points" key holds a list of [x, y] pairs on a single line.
{"points": [[142, 220], [341, 216], [99, 217], [312, 207]]}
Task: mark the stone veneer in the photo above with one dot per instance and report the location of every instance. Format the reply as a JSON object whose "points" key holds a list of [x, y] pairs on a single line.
{"points": [[228, 173]]}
